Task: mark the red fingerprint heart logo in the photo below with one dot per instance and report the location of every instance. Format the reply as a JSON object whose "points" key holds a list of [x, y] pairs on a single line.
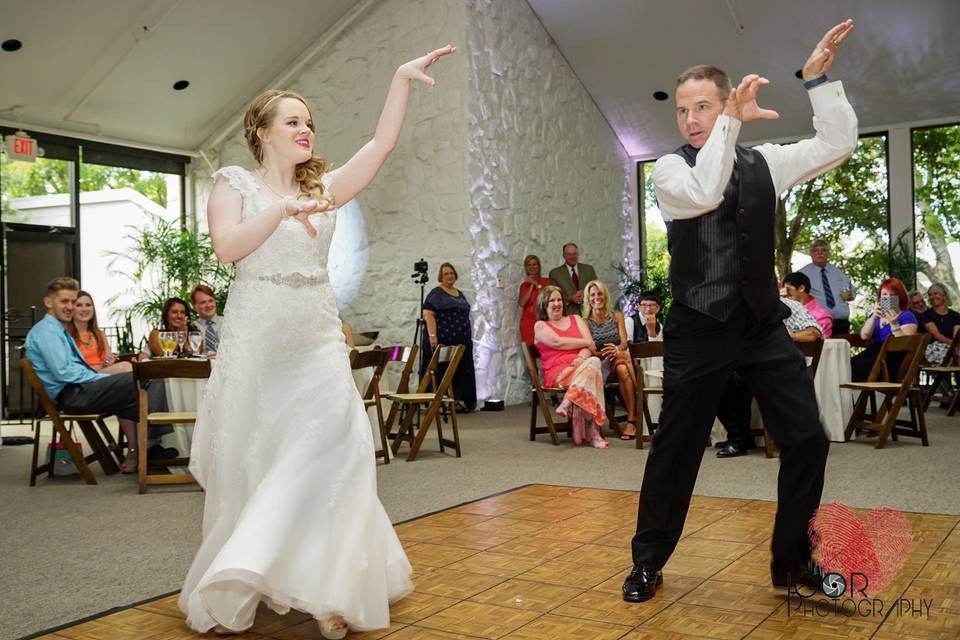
{"points": [[875, 545]]}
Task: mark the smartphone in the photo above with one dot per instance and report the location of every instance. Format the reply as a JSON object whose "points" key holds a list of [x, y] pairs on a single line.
{"points": [[889, 304]]}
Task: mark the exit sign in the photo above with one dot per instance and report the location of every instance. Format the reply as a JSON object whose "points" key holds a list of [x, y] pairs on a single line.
{"points": [[21, 147]]}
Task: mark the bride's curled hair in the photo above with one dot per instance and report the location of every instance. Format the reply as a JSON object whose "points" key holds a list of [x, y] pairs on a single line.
{"points": [[260, 114]]}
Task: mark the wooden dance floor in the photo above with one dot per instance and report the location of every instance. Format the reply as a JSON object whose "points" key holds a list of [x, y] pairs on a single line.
{"points": [[547, 562]]}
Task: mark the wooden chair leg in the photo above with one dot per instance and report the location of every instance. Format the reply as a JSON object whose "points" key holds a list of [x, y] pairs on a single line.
{"points": [[456, 431], [433, 413], [768, 442], [889, 420], [533, 416], [922, 426], [142, 456], [100, 452], [34, 466], [384, 441], [112, 445], [75, 454], [955, 402], [440, 419], [404, 432]]}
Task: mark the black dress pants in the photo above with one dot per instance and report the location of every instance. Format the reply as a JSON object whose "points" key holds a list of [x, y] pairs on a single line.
{"points": [[701, 354], [735, 412]]}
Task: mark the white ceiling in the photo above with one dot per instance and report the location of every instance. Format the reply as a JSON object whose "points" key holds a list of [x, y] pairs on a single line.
{"points": [[901, 63], [106, 67]]}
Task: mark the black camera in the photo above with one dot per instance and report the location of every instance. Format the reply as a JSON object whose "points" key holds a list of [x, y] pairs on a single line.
{"points": [[419, 274]]}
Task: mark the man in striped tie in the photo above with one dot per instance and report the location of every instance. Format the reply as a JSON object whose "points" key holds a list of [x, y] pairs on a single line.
{"points": [[205, 304], [830, 287]]}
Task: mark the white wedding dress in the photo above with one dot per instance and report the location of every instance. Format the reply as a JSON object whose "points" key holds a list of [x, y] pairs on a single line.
{"points": [[284, 450]]}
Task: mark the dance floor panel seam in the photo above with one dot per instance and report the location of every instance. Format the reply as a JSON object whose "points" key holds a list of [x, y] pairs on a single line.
{"points": [[546, 562]]}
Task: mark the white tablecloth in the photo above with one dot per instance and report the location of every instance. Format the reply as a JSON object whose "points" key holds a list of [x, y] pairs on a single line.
{"points": [[184, 394], [836, 404]]}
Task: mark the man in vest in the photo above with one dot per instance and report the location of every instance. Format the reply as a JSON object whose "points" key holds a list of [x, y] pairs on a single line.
{"points": [[719, 202]]}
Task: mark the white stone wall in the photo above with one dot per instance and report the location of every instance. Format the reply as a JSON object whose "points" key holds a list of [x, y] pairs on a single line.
{"points": [[417, 205], [508, 155], [544, 169]]}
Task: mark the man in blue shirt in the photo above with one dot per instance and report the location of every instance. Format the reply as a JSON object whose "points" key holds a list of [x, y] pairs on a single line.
{"points": [[72, 383], [830, 287]]}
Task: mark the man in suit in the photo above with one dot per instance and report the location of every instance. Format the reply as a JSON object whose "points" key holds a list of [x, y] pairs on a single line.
{"points": [[209, 323], [719, 200], [572, 277]]}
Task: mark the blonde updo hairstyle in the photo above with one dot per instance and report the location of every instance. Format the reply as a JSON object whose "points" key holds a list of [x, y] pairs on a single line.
{"points": [[260, 114]]}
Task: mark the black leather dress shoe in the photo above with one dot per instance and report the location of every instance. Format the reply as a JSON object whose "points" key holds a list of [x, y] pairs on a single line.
{"points": [[732, 451], [790, 574], [641, 584], [721, 444]]}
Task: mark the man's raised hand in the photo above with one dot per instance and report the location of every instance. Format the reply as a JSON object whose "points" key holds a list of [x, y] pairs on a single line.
{"points": [[742, 103], [825, 52]]}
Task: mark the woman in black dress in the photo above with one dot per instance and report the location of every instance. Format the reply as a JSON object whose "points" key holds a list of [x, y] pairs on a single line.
{"points": [[447, 314]]}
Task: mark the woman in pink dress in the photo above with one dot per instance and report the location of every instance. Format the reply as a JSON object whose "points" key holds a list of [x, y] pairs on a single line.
{"points": [[529, 292], [568, 356]]}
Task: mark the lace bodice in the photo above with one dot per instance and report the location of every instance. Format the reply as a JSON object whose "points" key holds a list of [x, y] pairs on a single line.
{"points": [[289, 255]]}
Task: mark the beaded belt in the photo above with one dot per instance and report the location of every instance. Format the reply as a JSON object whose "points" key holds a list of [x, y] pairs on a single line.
{"points": [[295, 280]]}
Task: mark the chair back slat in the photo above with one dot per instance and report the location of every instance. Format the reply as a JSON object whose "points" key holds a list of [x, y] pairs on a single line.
{"points": [[950, 356], [649, 349], [812, 350], [373, 359]]}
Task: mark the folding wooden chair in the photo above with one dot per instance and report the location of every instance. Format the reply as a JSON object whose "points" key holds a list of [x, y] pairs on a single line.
{"points": [[539, 399], [435, 396], [812, 350], [900, 389], [407, 357], [376, 360], [941, 374], [158, 370], [640, 351], [101, 450]]}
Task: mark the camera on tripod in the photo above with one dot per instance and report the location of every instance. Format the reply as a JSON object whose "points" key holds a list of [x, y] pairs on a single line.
{"points": [[420, 272]]}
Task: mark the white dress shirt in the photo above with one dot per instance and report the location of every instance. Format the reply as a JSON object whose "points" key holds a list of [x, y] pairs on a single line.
{"points": [[685, 192]]}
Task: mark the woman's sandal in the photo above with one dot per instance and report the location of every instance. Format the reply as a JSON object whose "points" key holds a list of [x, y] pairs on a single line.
{"points": [[333, 628], [630, 436]]}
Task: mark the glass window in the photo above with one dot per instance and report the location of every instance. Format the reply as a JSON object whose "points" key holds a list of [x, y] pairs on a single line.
{"points": [[936, 206], [36, 192]]}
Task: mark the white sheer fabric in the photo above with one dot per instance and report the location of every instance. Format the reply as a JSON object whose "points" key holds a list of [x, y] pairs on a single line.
{"points": [[283, 448]]}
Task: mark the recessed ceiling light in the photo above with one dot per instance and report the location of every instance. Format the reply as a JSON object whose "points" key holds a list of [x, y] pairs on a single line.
{"points": [[11, 45], [180, 85], [799, 74], [660, 95]]}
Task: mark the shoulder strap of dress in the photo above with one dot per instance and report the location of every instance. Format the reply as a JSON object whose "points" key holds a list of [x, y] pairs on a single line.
{"points": [[239, 178]]}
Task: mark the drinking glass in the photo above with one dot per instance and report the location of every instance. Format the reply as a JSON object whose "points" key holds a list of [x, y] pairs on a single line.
{"points": [[196, 342], [167, 342], [181, 337]]}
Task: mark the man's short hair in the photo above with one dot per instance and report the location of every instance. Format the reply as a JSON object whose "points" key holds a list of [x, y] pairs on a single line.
{"points": [[201, 288], [63, 283], [707, 72], [797, 280], [649, 295], [819, 242], [570, 244]]}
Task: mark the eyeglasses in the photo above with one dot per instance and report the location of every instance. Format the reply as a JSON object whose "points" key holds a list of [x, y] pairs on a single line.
{"points": [[648, 304]]}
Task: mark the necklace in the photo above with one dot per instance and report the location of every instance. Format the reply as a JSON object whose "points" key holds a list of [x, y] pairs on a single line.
{"points": [[263, 181], [88, 341]]}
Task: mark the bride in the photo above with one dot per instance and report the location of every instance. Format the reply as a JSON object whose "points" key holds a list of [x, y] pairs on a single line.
{"points": [[282, 443]]}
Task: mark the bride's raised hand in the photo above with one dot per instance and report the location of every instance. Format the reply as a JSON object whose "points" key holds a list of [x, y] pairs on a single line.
{"points": [[416, 69]]}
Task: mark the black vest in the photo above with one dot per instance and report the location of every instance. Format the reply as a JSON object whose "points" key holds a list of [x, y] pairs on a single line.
{"points": [[726, 256]]}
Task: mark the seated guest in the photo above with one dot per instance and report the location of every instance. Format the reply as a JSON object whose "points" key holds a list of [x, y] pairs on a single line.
{"points": [[609, 335], [529, 292], [897, 321], [735, 407], [91, 341], [643, 326], [73, 384], [797, 287], [919, 307], [830, 286], [570, 278], [568, 357], [208, 322], [941, 322], [174, 317]]}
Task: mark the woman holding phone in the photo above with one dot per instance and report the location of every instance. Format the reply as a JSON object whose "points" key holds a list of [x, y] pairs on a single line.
{"points": [[889, 317]]}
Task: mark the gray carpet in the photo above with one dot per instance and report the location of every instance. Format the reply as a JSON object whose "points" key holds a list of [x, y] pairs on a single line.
{"points": [[72, 550]]}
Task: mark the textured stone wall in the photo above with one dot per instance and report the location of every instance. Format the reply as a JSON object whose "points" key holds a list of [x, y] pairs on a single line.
{"points": [[417, 205], [544, 169], [508, 155]]}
